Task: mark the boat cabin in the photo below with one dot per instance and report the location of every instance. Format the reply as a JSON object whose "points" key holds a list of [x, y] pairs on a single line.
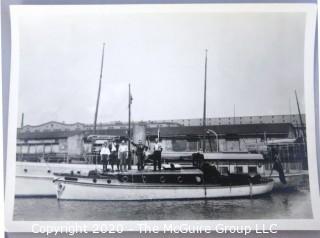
{"points": [[225, 162], [236, 163]]}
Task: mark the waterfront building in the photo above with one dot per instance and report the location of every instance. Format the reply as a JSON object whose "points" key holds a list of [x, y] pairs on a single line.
{"points": [[62, 141]]}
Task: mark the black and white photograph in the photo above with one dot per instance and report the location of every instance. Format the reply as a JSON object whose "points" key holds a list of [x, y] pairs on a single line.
{"points": [[193, 112]]}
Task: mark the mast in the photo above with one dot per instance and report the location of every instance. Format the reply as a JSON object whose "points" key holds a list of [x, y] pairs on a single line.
{"points": [[129, 128], [204, 103], [290, 118], [99, 90], [305, 161], [300, 116]]}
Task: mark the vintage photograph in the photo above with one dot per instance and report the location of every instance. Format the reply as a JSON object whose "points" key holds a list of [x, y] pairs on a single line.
{"points": [[161, 113]]}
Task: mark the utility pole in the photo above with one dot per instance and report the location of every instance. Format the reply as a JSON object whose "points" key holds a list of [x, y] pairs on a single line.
{"points": [[22, 120], [234, 114]]}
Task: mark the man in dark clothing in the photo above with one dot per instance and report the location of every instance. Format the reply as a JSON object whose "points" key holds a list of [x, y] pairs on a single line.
{"points": [[277, 165], [140, 149], [113, 147], [157, 155]]}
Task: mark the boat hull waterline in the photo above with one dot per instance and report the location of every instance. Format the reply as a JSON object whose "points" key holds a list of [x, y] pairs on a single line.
{"points": [[74, 190]]}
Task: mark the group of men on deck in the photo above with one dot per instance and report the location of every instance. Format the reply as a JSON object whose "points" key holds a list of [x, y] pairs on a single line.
{"points": [[118, 154]]}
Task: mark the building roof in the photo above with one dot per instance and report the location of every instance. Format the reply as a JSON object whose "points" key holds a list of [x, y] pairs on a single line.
{"points": [[276, 130], [279, 130]]}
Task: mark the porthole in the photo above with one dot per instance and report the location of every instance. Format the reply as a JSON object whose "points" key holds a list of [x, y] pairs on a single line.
{"points": [[109, 181], [162, 179], [180, 179], [25, 170], [49, 171], [94, 180], [124, 179], [198, 179], [78, 172]]}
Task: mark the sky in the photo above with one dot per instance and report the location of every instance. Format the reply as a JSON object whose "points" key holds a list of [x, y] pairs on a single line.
{"points": [[255, 62]]}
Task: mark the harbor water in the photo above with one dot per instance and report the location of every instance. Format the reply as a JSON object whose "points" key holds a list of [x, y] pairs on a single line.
{"points": [[278, 205]]}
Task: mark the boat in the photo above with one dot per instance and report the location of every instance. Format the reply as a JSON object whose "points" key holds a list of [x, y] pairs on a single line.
{"points": [[170, 184], [35, 179]]}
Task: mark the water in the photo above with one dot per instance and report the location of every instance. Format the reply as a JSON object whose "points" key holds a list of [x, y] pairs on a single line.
{"points": [[278, 205]]}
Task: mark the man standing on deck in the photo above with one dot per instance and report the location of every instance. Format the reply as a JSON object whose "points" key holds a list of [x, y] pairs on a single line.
{"points": [[104, 153], [123, 154], [157, 155], [113, 147], [140, 149]]}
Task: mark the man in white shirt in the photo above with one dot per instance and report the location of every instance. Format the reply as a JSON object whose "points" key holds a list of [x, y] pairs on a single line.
{"points": [[123, 155], [104, 153], [157, 155]]}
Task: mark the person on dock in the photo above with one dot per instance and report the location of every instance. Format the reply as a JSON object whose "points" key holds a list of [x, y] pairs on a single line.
{"points": [[123, 155], [104, 153], [140, 152], [113, 147], [157, 155], [277, 165]]}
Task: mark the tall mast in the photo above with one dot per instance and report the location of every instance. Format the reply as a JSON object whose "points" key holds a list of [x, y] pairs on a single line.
{"points": [[304, 162], [204, 103], [290, 117], [300, 116], [129, 128], [99, 90]]}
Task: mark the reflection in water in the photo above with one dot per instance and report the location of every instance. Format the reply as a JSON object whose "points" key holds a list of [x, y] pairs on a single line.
{"points": [[294, 204]]}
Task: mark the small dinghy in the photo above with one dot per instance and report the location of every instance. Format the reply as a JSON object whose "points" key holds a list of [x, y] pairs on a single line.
{"points": [[170, 183]]}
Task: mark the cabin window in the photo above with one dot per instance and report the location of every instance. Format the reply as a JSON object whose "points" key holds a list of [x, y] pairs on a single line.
{"points": [[224, 170], [24, 149], [55, 148], [47, 148], [239, 169], [252, 169], [32, 149]]}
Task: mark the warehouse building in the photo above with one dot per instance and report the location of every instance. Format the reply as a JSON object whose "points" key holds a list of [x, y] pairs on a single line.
{"points": [[69, 141]]}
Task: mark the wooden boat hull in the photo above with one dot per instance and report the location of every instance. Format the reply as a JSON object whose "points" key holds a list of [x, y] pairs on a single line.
{"points": [[85, 189]]}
